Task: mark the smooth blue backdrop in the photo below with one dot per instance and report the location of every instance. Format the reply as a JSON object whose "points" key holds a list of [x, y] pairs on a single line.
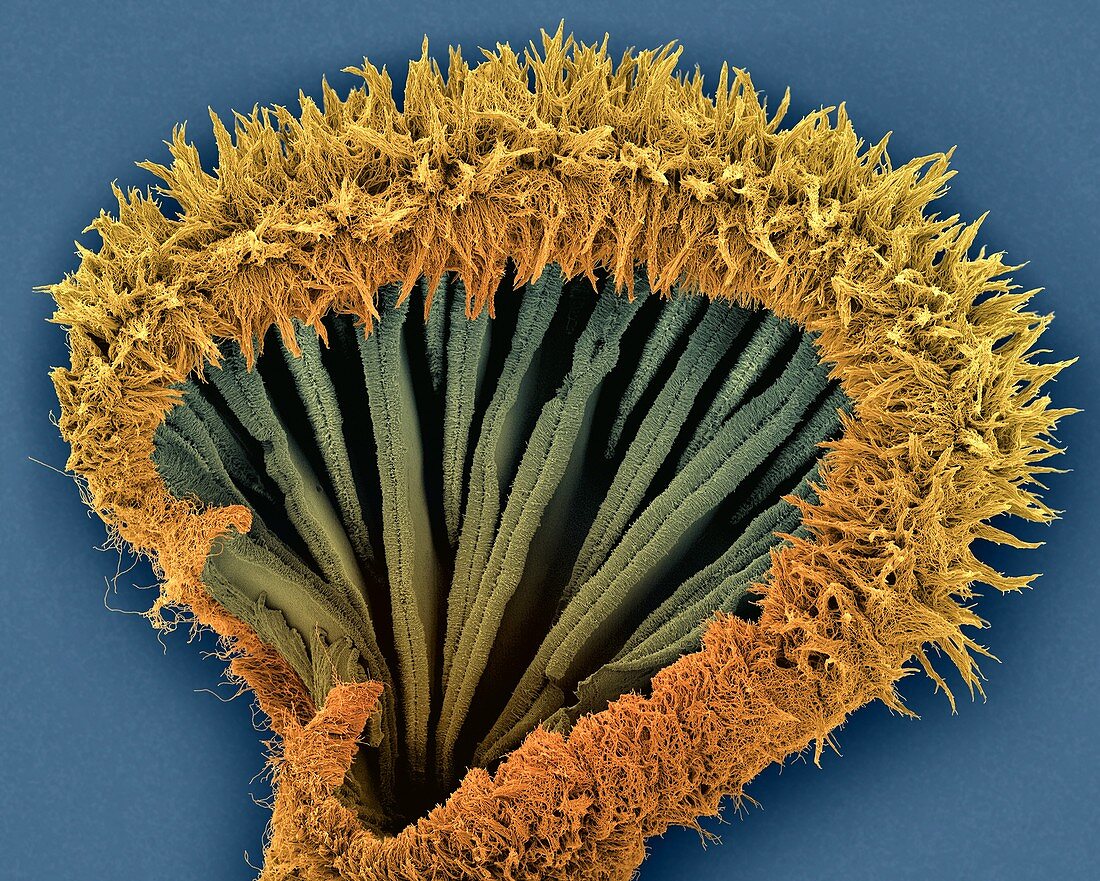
{"points": [[118, 762]]}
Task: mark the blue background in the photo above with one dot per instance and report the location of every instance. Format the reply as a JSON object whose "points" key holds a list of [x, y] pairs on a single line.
{"points": [[116, 761]]}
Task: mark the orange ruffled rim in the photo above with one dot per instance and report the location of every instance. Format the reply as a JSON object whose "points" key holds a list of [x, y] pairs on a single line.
{"points": [[565, 156]]}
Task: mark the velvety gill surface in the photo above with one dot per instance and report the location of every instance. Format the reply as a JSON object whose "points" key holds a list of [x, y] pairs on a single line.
{"points": [[507, 520]]}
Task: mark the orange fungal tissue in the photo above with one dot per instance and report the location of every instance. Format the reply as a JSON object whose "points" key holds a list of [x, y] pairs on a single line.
{"points": [[554, 452]]}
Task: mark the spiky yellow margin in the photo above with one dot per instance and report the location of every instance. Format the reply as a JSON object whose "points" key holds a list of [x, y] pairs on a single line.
{"points": [[565, 156]]}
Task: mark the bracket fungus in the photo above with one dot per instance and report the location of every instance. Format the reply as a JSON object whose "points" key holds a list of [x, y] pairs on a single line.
{"points": [[554, 452]]}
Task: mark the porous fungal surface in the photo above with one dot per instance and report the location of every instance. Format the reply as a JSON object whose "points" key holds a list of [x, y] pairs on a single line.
{"points": [[503, 408], [507, 520]]}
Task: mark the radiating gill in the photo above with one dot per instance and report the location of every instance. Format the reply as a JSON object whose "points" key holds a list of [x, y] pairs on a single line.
{"points": [[506, 521]]}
